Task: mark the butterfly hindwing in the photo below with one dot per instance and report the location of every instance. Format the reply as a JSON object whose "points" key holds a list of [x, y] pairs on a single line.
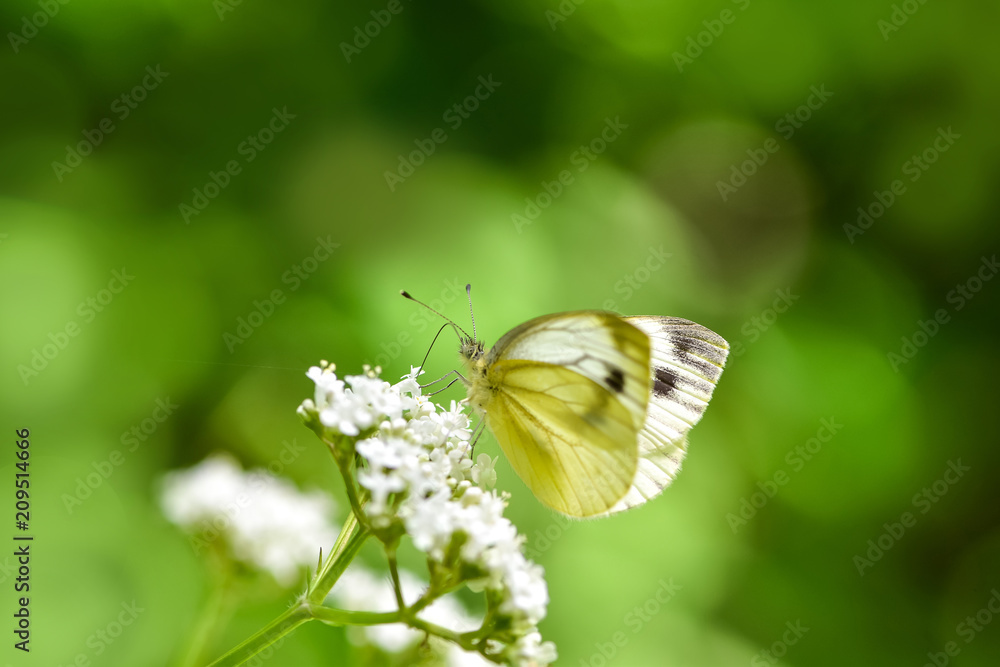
{"points": [[686, 362]]}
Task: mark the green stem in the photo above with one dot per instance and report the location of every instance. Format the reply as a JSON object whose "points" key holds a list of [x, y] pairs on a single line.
{"points": [[338, 617], [397, 588], [352, 495], [215, 609], [332, 616], [266, 636], [344, 550], [463, 640], [344, 463]]}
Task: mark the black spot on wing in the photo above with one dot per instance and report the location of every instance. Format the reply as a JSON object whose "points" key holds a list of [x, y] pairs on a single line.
{"points": [[615, 380], [685, 343], [702, 350], [699, 356], [664, 382]]}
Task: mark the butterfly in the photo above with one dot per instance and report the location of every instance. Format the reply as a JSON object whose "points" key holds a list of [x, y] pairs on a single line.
{"points": [[593, 409]]}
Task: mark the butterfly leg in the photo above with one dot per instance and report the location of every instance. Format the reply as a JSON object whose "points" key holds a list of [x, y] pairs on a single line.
{"points": [[477, 432], [434, 382], [447, 385]]}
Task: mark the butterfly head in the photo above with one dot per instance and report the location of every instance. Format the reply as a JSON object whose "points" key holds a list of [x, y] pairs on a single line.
{"points": [[480, 389], [471, 350]]}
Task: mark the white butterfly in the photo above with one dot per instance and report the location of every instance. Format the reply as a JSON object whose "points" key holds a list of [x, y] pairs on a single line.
{"points": [[593, 409]]}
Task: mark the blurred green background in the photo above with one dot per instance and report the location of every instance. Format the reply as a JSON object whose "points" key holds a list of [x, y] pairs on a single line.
{"points": [[746, 135]]}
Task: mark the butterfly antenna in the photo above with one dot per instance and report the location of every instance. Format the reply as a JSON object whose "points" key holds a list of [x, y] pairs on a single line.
{"points": [[456, 327], [468, 292], [432, 345]]}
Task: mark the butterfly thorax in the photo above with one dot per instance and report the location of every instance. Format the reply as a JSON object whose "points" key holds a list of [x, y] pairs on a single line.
{"points": [[477, 384]]}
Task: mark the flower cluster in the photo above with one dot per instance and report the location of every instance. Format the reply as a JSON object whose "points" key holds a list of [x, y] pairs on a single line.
{"points": [[264, 521], [418, 477]]}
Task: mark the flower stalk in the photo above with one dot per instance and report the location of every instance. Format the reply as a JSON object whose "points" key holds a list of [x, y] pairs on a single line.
{"points": [[407, 473]]}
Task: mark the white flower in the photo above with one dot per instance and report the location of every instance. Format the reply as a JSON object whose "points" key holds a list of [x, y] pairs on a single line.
{"points": [[529, 596], [385, 452], [529, 649], [201, 493], [265, 521], [380, 485], [419, 454], [430, 523], [457, 657], [354, 404], [484, 471]]}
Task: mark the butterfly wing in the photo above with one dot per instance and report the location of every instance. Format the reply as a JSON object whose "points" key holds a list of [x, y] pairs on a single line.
{"points": [[600, 346], [686, 362], [568, 399]]}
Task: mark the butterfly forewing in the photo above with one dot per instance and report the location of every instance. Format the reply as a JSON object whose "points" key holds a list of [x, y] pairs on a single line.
{"points": [[600, 346], [565, 436], [569, 397]]}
